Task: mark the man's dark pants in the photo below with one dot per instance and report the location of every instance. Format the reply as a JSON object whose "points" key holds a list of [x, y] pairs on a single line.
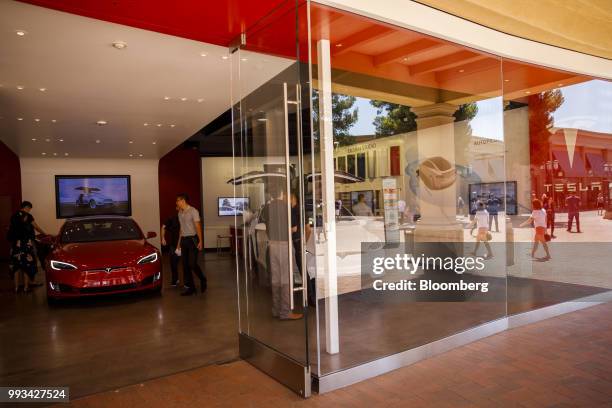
{"points": [[174, 263], [189, 253], [570, 218]]}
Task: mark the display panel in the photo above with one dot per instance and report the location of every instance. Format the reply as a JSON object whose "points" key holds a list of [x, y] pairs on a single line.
{"points": [[231, 206], [92, 195], [494, 195]]}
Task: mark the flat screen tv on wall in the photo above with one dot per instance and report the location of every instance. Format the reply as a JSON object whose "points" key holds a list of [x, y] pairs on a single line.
{"points": [[77, 196], [494, 196], [230, 206]]}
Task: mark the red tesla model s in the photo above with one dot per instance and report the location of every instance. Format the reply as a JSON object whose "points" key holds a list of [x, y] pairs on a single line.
{"points": [[102, 255]]}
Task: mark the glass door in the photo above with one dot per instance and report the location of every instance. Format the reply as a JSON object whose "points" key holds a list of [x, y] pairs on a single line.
{"points": [[269, 141]]}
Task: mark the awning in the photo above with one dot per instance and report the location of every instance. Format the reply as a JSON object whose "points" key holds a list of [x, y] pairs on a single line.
{"points": [[574, 169], [596, 162]]}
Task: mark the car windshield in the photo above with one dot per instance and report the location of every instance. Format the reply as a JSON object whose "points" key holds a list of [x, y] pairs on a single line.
{"points": [[100, 230]]}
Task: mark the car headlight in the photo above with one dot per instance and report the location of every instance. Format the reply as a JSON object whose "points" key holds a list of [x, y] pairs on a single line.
{"points": [[62, 266], [148, 259]]}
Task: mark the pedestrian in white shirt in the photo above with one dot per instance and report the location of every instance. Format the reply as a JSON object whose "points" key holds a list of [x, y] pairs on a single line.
{"points": [[481, 220], [538, 218]]}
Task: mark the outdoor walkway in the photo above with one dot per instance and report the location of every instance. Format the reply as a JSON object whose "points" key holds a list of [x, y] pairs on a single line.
{"points": [[560, 362]]}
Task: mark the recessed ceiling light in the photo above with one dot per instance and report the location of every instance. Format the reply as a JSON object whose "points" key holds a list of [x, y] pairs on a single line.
{"points": [[53, 120], [42, 89], [262, 119], [21, 33], [560, 84], [506, 80], [120, 45], [224, 57], [339, 45], [462, 70], [173, 125], [131, 141], [405, 59], [200, 100], [33, 139], [55, 154], [101, 122], [20, 87], [19, 118], [131, 155], [98, 141], [140, 155], [36, 120], [183, 99], [60, 140], [203, 54], [145, 124], [159, 125], [65, 154], [47, 140], [154, 142], [244, 59], [166, 98], [44, 154], [527, 92]]}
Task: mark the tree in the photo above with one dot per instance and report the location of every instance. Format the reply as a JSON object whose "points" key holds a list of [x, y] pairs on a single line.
{"points": [[541, 108], [392, 118], [344, 116]]}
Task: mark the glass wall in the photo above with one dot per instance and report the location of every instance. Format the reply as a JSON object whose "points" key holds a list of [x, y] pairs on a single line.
{"points": [[409, 138]]}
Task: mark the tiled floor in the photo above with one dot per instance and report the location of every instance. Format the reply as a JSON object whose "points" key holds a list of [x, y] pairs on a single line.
{"points": [[560, 362]]}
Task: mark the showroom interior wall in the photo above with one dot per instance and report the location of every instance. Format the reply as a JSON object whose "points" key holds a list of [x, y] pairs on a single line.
{"points": [[38, 186], [10, 192], [179, 172]]}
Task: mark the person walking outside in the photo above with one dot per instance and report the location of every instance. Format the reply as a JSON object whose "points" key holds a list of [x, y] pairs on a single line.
{"points": [[538, 218], [190, 243], [481, 220], [172, 227], [573, 211], [600, 204], [277, 224], [548, 204], [493, 209], [361, 209], [21, 235]]}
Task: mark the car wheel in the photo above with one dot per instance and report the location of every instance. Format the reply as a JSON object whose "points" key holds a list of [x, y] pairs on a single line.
{"points": [[92, 204]]}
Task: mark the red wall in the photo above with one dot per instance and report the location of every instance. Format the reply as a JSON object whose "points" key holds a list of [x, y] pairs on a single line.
{"points": [[180, 171], [10, 192]]}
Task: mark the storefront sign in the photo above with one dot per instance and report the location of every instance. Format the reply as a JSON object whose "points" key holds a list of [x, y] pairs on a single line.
{"points": [[389, 187]]}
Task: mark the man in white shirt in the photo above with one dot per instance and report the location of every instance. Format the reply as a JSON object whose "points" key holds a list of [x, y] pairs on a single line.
{"points": [[190, 242], [361, 209]]}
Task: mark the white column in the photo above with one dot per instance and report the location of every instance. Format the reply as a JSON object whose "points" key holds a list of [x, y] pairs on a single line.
{"points": [[326, 137]]}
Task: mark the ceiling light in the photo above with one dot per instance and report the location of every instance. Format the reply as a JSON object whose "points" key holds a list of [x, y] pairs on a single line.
{"points": [[140, 155], [55, 154], [36, 120], [527, 92], [19, 118], [53, 120], [560, 84], [33, 139], [462, 70], [262, 119], [339, 45], [60, 140], [131, 141], [243, 59], [98, 141], [47, 140], [120, 45], [166, 98], [183, 99], [65, 154], [203, 54], [159, 125], [101, 122], [146, 124], [506, 80], [20, 87], [200, 100], [44, 154], [21, 33], [131, 155], [224, 57], [154, 142], [172, 125], [405, 59], [42, 89]]}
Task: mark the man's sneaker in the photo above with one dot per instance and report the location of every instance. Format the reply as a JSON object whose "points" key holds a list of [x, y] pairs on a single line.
{"points": [[174, 284]]}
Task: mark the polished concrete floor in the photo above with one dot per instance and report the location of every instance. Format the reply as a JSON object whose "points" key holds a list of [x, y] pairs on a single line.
{"points": [[99, 344], [561, 362]]}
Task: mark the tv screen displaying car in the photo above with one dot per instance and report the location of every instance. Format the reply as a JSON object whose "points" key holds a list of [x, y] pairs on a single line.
{"points": [[77, 196], [494, 196], [230, 206]]}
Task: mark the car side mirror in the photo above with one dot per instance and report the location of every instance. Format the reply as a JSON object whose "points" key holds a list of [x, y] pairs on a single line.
{"points": [[151, 234]]}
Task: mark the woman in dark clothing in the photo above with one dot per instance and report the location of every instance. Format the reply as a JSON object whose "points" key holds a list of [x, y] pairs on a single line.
{"points": [[21, 235], [549, 207]]}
